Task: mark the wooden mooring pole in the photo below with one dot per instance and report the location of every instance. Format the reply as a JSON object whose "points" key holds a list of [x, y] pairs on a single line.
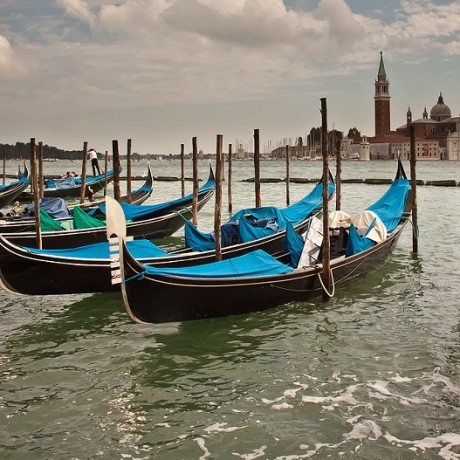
{"points": [[4, 164], [288, 177], [116, 171], [338, 181], [195, 181], [83, 172], [413, 183], [218, 206], [41, 177], [106, 164], [182, 169], [229, 175], [128, 172], [326, 253], [257, 168], [36, 194]]}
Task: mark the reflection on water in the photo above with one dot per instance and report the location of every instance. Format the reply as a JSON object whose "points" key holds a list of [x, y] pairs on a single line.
{"points": [[371, 373]]}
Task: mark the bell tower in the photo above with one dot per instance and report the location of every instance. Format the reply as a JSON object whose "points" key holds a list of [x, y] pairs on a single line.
{"points": [[382, 101]]}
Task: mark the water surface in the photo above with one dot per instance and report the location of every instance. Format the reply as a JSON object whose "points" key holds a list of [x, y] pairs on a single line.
{"points": [[373, 373]]}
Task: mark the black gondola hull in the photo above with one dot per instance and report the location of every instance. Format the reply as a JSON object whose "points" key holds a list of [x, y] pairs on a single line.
{"points": [[157, 227], [25, 272], [159, 299], [10, 224]]}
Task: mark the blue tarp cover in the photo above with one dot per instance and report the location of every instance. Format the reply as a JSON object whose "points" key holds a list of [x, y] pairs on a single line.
{"points": [[293, 245], [197, 240], [136, 211], [357, 243], [55, 207], [298, 211], [138, 248], [389, 208], [4, 187], [253, 223], [70, 182], [253, 264]]}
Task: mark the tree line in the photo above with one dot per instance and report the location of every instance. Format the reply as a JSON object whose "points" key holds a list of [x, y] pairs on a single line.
{"points": [[334, 138], [21, 150]]}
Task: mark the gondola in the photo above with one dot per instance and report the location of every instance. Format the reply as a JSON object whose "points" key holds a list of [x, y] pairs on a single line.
{"points": [[9, 192], [257, 281], [146, 221], [71, 186], [62, 211], [87, 269]]}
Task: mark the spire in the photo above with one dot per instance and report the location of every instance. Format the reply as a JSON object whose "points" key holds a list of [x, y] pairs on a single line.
{"points": [[440, 99], [382, 101], [381, 72], [408, 118], [425, 114]]}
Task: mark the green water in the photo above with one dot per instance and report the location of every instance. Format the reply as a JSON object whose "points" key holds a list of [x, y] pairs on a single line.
{"points": [[371, 374]]}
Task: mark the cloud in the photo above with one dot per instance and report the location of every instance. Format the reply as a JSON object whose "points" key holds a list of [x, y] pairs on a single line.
{"points": [[10, 64], [423, 26], [342, 26], [255, 23], [133, 17], [117, 54], [78, 9]]}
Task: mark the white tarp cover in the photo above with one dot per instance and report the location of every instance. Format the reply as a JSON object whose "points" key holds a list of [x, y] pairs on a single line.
{"points": [[313, 241], [339, 219], [364, 219]]}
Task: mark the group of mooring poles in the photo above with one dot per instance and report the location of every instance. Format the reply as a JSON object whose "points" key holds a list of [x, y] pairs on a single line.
{"points": [[326, 273], [37, 177]]}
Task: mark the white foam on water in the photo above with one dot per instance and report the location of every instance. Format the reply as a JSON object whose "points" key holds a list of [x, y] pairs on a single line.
{"points": [[445, 442], [221, 428], [364, 430], [201, 445], [384, 393], [282, 406], [399, 379], [256, 453], [345, 397]]}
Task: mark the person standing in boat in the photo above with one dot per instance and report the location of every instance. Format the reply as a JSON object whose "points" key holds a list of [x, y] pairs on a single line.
{"points": [[92, 155]]}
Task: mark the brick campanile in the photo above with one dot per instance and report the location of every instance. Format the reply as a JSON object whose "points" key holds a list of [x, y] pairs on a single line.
{"points": [[382, 101]]}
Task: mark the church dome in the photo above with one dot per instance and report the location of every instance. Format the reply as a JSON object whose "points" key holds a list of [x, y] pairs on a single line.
{"points": [[440, 111]]}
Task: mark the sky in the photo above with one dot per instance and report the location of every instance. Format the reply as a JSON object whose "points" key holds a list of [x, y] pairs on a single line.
{"points": [[160, 72]]}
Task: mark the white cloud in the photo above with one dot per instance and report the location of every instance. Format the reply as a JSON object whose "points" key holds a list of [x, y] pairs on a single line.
{"points": [[78, 9], [133, 16], [114, 54], [10, 64]]}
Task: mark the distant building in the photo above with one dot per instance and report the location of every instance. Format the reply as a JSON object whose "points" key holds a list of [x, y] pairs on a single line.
{"points": [[436, 137]]}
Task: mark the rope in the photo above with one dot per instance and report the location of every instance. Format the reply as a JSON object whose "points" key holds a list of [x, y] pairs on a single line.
{"points": [[324, 287], [136, 276], [180, 215], [415, 229]]}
